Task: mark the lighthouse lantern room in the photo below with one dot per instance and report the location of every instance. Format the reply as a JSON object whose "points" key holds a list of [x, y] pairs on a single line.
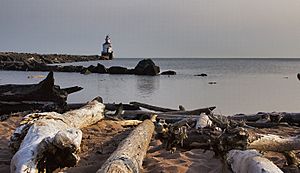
{"points": [[107, 51]]}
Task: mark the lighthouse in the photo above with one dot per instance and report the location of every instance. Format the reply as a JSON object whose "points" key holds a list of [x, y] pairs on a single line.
{"points": [[107, 51]]}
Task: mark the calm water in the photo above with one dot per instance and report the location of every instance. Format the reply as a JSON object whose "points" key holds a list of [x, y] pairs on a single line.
{"points": [[243, 85]]}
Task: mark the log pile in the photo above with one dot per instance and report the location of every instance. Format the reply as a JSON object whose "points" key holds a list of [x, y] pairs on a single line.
{"points": [[231, 140]]}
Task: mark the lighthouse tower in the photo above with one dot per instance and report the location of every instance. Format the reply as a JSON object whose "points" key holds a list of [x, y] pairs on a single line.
{"points": [[107, 51]]}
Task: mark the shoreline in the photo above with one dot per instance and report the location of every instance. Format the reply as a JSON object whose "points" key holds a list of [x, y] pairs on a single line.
{"points": [[47, 58]]}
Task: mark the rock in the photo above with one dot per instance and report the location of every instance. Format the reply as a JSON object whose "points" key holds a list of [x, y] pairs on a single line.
{"points": [[117, 70], [10, 67], [71, 68], [91, 68], [85, 71], [212, 83], [130, 71], [100, 69], [298, 76], [202, 75], [146, 67], [169, 72]]}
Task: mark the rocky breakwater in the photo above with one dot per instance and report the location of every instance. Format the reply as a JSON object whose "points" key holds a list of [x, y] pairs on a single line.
{"points": [[144, 67], [38, 62]]}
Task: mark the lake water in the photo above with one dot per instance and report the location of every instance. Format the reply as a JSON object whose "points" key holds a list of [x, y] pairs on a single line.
{"points": [[242, 85]]}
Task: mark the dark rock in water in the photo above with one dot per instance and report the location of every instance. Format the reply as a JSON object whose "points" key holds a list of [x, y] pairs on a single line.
{"points": [[117, 70], [146, 67], [85, 71], [202, 75], [71, 68], [99, 69], [212, 83], [298, 76], [130, 71], [91, 68], [169, 72], [151, 70]]}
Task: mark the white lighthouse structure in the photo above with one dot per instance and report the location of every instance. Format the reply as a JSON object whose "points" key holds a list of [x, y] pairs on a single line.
{"points": [[107, 51]]}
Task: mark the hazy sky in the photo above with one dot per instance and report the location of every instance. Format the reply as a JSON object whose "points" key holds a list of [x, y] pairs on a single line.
{"points": [[153, 28]]}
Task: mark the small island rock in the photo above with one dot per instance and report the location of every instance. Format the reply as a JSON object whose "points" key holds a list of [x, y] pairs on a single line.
{"points": [[169, 72], [146, 67]]}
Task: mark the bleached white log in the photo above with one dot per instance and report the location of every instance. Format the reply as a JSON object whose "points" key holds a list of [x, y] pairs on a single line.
{"points": [[49, 132], [275, 143], [250, 161], [203, 121], [128, 157]]}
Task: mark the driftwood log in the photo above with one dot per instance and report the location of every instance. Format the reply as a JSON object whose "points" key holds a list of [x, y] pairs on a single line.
{"points": [[271, 117], [108, 106], [46, 141], [128, 158], [170, 117], [274, 143], [250, 161], [151, 107], [14, 98]]}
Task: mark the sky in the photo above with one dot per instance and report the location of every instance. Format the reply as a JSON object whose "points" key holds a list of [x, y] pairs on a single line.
{"points": [[153, 28]]}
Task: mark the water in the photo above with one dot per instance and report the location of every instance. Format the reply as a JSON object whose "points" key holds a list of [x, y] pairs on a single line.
{"points": [[243, 85]]}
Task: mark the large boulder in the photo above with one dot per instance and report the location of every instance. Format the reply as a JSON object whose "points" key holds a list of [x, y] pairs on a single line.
{"points": [[146, 67], [117, 70]]}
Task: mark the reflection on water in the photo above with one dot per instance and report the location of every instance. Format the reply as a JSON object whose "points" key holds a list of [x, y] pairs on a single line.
{"points": [[147, 85]]}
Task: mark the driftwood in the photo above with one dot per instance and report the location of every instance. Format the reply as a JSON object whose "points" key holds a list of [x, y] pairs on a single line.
{"points": [[207, 110], [130, 153], [274, 143], [43, 91], [228, 134], [125, 123], [176, 115], [6, 108], [274, 117], [46, 141], [230, 140], [151, 107], [11, 106], [142, 115], [14, 98], [203, 121], [250, 161], [108, 106]]}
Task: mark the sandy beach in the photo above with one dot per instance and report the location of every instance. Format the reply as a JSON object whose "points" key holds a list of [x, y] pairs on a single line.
{"points": [[101, 139]]}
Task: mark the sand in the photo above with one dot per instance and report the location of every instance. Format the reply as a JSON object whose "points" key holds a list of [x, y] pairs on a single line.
{"points": [[101, 139]]}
